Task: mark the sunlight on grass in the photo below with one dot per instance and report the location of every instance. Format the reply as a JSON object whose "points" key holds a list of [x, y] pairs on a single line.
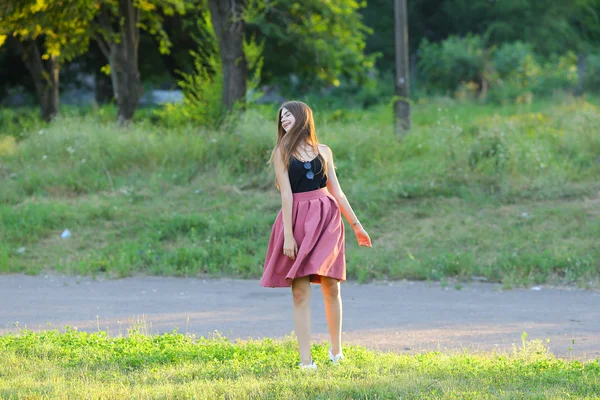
{"points": [[76, 364], [8, 145]]}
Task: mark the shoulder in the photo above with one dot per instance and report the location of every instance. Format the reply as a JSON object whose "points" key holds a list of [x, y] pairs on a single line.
{"points": [[324, 149], [278, 152], [277, 155], [327, 154]]}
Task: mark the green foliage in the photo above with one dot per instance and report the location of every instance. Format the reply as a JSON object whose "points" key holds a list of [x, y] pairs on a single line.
{"points": [[62, 25], [378, 15], [253, 52], [203, 89], [203, 94], [452, 61], [151, 20], [558, 73], [321, 42], [19, 123], [550, 26], [509, 73], [348, 98], [508, 56], [150, 14], [584, 17], [532, 76], [66, 27]]}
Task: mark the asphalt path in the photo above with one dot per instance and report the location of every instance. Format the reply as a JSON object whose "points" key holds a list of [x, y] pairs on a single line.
{"points": [[407, 317]]}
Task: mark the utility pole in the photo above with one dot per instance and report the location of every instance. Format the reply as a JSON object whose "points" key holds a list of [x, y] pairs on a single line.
{"points": [[401, 105]]}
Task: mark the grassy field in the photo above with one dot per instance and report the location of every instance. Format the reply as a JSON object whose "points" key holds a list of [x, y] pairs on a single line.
{"points": [[74, 365], [508, 194]]}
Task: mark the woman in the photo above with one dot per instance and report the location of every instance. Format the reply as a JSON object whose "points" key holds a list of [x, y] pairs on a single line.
{"points": [[307, 238]]}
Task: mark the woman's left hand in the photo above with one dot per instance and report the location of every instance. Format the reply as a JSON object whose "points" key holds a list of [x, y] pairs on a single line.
{"points": [[362, 236]]}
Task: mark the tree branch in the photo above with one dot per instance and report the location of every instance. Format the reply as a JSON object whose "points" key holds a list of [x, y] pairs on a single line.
{"points": [[103, 45]]}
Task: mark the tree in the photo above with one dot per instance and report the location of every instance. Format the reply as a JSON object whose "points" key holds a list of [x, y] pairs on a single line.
{"points": [[116, 28], [49, 33], [228, 24], [63, 29], [572, 25], [320, 42], [548, 25]]}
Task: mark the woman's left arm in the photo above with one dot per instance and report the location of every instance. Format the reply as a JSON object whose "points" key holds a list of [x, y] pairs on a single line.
{"points": [[334, 188]]}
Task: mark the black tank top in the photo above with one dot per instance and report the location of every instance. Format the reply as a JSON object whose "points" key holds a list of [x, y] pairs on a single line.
{"points": [[300, 175]]}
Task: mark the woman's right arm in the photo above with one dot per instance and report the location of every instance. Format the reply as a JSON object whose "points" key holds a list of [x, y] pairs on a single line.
{"points": [[290, 247]]}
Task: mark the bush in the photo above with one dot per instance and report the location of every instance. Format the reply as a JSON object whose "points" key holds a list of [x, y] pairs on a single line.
{"points": [[455, 60], [512, 72], [558, 73], [531, 76], [376, 89], [203, 90], [19, 122], [510, 55], [202, 97]]}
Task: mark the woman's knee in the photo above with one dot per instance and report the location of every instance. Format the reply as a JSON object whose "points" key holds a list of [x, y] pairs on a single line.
{"points": [[301, 296], [330, 287], [301, 292]]}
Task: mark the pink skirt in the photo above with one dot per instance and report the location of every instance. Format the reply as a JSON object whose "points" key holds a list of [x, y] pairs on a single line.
{"points": [[319, 232]]}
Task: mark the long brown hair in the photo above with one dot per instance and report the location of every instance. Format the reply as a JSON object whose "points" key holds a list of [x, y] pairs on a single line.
{"points": [[302, 131]]}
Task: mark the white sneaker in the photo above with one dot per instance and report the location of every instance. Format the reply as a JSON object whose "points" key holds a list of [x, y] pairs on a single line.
{"points": [[312, 365], [337, 358]]}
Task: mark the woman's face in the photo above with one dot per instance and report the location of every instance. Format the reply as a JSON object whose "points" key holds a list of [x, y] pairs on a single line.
{"points": [[287, 119]]}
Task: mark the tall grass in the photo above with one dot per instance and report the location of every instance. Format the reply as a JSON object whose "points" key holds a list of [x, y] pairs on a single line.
{"points": [[525, 153], [506, 193]]}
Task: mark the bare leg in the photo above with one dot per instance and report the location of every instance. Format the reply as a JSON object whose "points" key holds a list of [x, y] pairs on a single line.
{"points": [[333, 311], [301, 295]]}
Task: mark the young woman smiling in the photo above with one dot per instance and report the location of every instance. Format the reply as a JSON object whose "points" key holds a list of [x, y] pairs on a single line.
{"points": [[307, 238]]}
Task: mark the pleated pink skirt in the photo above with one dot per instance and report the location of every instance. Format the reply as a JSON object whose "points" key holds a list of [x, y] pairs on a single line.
{"points": [[319, 232]]}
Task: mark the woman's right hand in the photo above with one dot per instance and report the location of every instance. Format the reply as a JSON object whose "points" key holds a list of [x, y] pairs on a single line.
{"points": [[290, 247]]}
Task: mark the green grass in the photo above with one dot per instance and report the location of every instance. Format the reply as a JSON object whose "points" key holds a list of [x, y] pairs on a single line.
{"points": [[69, 365], [508, 193]]}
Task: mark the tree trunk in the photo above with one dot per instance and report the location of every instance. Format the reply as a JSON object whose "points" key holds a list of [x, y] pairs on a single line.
{"points": [[227, 20], [125, 76], [402, 105], [123, 60], [580, 74], [45, 78]]}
